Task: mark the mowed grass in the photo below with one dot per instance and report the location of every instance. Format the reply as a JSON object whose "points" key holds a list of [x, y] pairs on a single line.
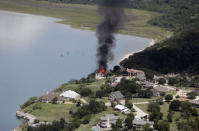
{"points": [[94, 86], [86, 16], [137, 100], [163, 108], [50, 112]]}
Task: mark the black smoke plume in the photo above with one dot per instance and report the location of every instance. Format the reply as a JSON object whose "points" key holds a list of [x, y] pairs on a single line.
{"points": [[112, 13]]}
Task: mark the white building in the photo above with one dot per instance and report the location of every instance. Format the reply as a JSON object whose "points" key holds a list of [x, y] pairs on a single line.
{"points": [[122, 108], [70, 95], [107, 120]]}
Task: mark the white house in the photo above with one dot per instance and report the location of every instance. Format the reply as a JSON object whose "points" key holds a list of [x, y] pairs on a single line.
{"points": [[70, 95], [107, 120]]}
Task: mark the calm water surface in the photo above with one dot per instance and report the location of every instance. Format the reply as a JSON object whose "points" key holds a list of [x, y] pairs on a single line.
{"points": [[37, 55]]}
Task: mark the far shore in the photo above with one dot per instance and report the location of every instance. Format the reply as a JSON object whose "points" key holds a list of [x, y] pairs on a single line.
{"points": [[129, 54], [76, 19]]}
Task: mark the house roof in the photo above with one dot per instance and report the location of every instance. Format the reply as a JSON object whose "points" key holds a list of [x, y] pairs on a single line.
{"points": [[70, 94], [111, 117], [142, 122], [51, 96], [118, 94], [161, 89]]}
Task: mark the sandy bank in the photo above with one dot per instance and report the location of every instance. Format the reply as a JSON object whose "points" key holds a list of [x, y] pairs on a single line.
{"points": [[129, 54]]}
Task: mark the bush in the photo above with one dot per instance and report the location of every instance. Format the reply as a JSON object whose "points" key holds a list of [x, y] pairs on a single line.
{"points": [[37, 106], [85, 92]]}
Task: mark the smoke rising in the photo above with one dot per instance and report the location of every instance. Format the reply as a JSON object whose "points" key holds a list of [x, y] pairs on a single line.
{"points": [[112, 13]]}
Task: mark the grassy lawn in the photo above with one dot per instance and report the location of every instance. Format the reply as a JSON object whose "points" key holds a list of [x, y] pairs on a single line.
{"points": [[136, 100], [143, 107], [94, 86], [104, 99], [50, 112], [86, 16]]}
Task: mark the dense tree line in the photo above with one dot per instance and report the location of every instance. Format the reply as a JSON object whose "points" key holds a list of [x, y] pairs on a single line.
{"points": [[178, 54]]}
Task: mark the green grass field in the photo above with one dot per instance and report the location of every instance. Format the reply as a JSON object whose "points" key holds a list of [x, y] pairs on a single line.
{"points": [[136, 100], [50, 112], [86, 16], [94, 86]]}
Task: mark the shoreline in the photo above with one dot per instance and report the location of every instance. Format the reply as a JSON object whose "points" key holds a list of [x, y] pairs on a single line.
{"points": [[126, 56]]}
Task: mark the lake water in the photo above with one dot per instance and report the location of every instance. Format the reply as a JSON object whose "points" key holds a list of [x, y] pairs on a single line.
{"points": [[38, 55]]}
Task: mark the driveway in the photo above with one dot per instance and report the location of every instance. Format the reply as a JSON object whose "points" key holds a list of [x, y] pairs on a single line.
{"points": [[139, 112]]}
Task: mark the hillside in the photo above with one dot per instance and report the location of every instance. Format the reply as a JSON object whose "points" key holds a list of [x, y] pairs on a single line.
{"points": [[178, 54]]}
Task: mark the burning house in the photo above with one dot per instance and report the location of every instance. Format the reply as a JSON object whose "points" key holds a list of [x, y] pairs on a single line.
{"points": [[100, 73]]}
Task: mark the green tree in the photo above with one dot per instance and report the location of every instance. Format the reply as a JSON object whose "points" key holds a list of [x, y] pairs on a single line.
{"points": [[174, 105], [153, 106], [85, 92], [128, 104], [128, 121], [100, 94], [168, 97]]}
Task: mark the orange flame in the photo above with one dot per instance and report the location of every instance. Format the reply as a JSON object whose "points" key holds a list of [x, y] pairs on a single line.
{"points": [[102, 70]]}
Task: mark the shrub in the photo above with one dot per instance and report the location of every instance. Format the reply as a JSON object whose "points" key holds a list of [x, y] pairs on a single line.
{"points": [[85, 92]]}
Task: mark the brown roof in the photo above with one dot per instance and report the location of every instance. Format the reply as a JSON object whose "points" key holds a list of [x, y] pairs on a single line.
{"points": [[182, 99], [51, 96]]}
